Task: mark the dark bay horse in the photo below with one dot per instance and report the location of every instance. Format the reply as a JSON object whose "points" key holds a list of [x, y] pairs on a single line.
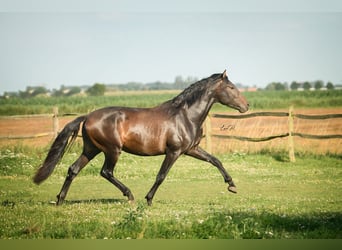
{"points": [[173, 128]]}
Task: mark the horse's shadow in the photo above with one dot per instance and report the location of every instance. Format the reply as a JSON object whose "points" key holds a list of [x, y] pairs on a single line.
{"points": [[92, 201]]}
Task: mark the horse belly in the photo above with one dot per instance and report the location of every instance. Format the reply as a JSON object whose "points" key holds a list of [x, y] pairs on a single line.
{"points": [[144, 144]]}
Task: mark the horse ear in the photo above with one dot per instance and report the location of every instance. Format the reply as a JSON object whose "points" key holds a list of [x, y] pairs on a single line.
{"points": [[224, 74]]}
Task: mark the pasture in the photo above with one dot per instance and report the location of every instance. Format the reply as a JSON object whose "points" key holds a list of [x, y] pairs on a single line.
{"points": [[276, 199], [261, 100]]}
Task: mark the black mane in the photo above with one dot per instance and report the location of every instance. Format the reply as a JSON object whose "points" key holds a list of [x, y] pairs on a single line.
{"points": [[192, 93]]}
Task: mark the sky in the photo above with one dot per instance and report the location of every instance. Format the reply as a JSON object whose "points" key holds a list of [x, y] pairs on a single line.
{"points": [[54, 43]]}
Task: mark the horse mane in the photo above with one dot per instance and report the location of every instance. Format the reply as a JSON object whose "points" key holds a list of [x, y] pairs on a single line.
{"points": [[192, 93]]}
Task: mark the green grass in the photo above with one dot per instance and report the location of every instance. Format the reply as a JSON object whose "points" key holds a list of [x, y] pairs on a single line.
{"points": [[78, 104], [276, 198], [299, 99]]}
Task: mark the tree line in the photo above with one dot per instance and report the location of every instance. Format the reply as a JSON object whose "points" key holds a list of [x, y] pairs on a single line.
{"points": [[317, 85], [98, 89]]}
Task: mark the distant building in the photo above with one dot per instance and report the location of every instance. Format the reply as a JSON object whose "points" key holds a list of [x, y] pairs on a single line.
{"points": [[338, 86], [244, 88]]}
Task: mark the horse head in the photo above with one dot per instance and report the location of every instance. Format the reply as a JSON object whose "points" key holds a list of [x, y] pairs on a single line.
{"points": [[227, 94]]}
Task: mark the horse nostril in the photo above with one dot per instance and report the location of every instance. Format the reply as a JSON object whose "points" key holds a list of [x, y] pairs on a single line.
{"points": [[247, 104]]}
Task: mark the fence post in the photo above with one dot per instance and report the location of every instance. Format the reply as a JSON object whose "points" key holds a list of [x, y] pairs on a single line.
{"points": [[291, 143], [208, 134], [55, 121]]}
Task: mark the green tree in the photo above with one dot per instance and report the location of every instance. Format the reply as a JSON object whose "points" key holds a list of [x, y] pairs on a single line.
{"points": [[306, 86], [275, 86], [39, 90], [33, 91], [74, 91], [179, 82], [330, 85], [294, 85], [318, 84], [97, 89]]}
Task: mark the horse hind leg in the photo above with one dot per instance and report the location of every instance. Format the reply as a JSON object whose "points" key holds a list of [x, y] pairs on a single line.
{"points": [[73, 170], [107, 173], [89, 152]]}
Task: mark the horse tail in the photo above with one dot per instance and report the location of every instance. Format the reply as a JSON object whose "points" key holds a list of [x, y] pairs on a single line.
{"points": [[58, 149]]}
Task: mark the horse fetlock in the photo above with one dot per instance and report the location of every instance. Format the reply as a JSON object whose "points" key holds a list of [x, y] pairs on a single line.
{"points": [[71, 173], [59, 200], [149, 200]]}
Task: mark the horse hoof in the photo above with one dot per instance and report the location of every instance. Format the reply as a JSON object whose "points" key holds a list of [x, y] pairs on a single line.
{"points": [[149, 202], [232, 189], [129, 196]]}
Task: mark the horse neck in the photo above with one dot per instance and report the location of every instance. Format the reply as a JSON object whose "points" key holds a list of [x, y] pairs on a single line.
{"points": [[199, 110]]}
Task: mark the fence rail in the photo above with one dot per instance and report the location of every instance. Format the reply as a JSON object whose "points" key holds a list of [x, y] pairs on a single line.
{"points": [[15, 137], [243, 138], [318, 117], [268, 138], [313, 117], [251, 115]]}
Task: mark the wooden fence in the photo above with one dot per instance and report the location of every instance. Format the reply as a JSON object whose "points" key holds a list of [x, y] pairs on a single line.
{"points": [[55, 125], [290, 134], [208, 134]]}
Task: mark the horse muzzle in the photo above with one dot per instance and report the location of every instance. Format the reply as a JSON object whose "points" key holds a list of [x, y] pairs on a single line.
{"points": [[243, 108]]}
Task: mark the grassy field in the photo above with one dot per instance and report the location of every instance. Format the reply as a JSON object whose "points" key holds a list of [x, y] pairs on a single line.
{"points": [[276, 198], [77, 104]]}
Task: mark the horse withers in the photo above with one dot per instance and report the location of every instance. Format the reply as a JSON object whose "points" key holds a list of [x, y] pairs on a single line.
{"points": [[173, 128]]}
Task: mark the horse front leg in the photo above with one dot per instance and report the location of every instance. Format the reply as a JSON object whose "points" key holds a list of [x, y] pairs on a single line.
{"points": [[107, 172], [200, 154], [169, 160]]}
